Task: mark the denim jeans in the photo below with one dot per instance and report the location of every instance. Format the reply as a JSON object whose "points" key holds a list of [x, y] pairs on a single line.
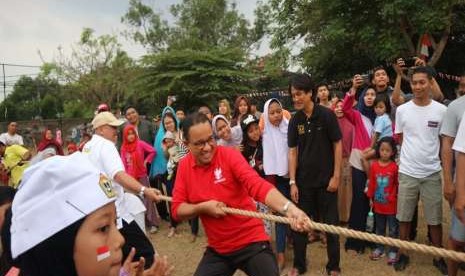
{"points": [[393, 225], [282, 230]]}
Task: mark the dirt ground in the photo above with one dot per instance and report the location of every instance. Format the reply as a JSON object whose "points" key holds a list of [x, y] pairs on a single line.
{"points": [[185, 255]]}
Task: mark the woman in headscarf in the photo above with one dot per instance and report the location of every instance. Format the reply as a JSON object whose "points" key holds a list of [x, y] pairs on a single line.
{"points": [[159, 162], [275, 160], [363, 127], [170, 123], [241, 108], [48, 141], [136, 154], [226, 135]]}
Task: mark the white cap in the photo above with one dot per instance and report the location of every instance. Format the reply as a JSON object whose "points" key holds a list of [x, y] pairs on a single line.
{"points": [[54, 194], [105, 118], [169, 135]]}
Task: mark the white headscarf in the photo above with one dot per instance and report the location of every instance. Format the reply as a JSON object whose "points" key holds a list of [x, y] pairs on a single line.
{"points": [[275, 149], [236, 133]]}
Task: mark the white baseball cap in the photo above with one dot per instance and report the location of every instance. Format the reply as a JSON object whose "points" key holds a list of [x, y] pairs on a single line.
{"points": [[105, 118], [54, 194]]}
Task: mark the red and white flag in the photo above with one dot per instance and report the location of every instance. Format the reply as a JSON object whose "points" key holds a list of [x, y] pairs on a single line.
{"points": [[425, 44], [103, 252]]}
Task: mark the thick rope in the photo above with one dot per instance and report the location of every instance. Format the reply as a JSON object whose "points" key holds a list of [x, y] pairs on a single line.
{"points": [[407, 245]]}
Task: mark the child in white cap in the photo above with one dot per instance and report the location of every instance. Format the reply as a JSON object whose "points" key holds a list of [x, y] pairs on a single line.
{"points": [[171, 150], [63, 221]]}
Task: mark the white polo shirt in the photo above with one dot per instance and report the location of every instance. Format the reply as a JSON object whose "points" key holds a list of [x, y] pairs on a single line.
{"points": [[103, 154]]}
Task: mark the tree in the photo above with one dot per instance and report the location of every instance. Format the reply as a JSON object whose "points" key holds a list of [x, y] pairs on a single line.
{"points": [[33, 97], [196, 77], [200, 57], [97, 71], [344, 37], [198, 24]]}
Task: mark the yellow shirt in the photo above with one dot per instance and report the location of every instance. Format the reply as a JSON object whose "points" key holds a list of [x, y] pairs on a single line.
{"points": [[13, 155]]}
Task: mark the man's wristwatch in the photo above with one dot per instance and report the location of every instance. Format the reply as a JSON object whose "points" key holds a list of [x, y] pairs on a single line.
{"points": [[142, 191], [291, 182], [286, 207]]}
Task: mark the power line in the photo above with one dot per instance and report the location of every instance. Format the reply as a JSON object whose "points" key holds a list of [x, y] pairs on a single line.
{"points": [[15, 76], [20, 65]]}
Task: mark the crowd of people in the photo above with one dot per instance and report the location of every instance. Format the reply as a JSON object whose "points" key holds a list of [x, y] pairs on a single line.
{"points": [[361, 159]]}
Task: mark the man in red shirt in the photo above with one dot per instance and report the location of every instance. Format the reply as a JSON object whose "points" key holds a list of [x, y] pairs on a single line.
{"points": [[211, 177]]}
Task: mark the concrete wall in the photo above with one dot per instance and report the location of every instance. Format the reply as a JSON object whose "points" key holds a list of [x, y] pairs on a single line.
{"points": [[32, 130]]}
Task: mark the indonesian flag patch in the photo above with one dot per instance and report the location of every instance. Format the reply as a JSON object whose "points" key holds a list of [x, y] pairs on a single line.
{"points": [[103, 252]]}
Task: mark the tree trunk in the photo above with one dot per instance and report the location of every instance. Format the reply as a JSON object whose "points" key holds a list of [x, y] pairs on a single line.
{"points": [[407, 37], [441, 45]]}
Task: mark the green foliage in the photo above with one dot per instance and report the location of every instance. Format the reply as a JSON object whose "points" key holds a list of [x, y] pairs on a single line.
{"points": [[196, 76], [145, 26], [344, 37], [32, 98], [200, 58], [77, 109], [97, 71], [199, 25]]}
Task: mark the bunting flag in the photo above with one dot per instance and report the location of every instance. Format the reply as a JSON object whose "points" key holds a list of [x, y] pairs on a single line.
{"points": [[425, 45]]}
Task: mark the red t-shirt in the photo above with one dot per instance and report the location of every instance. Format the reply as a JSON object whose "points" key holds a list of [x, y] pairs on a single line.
{"points": [[229, 179], [383, 187]]}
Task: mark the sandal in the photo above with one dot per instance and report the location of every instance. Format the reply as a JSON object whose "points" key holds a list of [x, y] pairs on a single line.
{"points": [[172, 232], [376, 255]]}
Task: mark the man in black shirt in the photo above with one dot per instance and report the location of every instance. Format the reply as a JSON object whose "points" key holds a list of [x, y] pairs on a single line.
{"points": [[144, 128], [315, 157]]}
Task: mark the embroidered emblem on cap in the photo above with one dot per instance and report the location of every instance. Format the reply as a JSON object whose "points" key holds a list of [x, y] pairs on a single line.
{"points": [[106, 186], [249, 120]]}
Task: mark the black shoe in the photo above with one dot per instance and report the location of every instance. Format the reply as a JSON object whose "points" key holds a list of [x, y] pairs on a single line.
{"points": [[441, 265], [402, 263]]}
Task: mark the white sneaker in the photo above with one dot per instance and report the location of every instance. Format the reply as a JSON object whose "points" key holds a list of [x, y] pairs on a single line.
{"points": [[153, 230]]}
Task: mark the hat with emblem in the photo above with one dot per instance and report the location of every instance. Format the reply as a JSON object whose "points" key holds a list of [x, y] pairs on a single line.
{"points": [[54, 194], [247, 121]]}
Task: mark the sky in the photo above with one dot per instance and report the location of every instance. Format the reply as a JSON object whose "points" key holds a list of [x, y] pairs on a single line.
{"points": [[27, 27]]}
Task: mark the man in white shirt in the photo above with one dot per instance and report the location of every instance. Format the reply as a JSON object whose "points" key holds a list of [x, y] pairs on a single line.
{"points": [[101, 151], [418, 123], [459, 148], [449, 129], [11, 137]]}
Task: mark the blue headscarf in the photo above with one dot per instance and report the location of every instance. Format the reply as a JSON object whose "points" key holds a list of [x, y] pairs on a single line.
{"points": [[159, 162], [366, 111]]}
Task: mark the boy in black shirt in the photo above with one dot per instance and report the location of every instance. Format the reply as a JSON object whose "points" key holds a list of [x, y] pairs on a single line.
{"points": [[315, 157]]}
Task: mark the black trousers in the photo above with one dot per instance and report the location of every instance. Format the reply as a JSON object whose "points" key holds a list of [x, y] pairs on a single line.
{"points": [[256, 259], [157, 182], [134, 237], [194, 223], [318, 201], [358, 210]]}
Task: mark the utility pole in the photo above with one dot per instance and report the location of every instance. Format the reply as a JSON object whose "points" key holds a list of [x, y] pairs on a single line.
{"points": [[4, 90]]}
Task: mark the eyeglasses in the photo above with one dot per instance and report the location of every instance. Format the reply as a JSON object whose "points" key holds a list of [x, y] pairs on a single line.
{"points": [[202, 143]]}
